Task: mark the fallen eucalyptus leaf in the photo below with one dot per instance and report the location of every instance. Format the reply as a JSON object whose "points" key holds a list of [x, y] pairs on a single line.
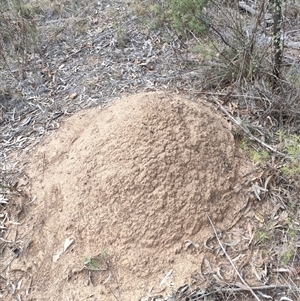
{"points": [[68, 243], [166, 277]]}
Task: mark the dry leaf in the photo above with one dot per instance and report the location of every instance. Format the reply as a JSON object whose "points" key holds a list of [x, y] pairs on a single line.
{"points": [[274, 211], [22, 182], [282, 270], [267, 182], [256, 190], [242, 286], [259, 217], [166, 277], [73, 95], [264, 295], [250, 230], [283, 216], [189, 243], [68, 242]]}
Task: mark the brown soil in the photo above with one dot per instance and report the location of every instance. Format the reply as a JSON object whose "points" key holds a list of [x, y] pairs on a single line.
{"points": [[132, 185]]}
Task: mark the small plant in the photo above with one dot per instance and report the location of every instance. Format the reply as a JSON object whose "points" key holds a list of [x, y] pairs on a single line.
{"points": [[288, 235], [245, 144], [97, 263], [120, 36], [260, 157], [287, 255], [92, 263], [293, 232], [292, 147], [261, 237]]}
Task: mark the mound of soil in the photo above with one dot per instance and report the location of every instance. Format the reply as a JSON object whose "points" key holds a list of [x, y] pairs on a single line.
{"points": [[129, 186]]}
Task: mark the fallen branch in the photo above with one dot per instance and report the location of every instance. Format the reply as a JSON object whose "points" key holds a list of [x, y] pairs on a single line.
{"points": [[252, 11]]}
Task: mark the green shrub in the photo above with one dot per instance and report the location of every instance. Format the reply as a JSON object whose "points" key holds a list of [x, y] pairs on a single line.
{"points": [[184, 15], [181, 15]]}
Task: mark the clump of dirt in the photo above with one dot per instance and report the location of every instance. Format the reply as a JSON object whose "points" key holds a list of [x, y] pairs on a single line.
{"points": [[131, 184]]}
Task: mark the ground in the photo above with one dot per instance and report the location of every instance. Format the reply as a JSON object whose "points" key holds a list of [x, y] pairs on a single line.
{"points": [[135, 181], [138, 195]]}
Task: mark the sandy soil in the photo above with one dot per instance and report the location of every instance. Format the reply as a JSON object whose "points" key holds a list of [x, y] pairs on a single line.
{"points": [[129, 187]]}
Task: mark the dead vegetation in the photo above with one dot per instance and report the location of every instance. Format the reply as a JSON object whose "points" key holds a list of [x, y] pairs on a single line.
{"points": [[90, 52], [18, 35]]}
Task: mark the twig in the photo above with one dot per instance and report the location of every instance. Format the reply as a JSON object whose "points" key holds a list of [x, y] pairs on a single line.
{"points": [[112, 292], [239, 289], [231, 262], [252, 137], [233, 95], [255, 288], [209, 25]]}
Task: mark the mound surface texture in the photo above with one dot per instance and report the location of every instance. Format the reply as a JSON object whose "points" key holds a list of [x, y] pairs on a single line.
{"points": [[131, 184]]}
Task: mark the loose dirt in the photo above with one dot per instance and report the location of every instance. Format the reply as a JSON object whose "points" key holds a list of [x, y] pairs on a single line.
{"points": [[131, 184]]}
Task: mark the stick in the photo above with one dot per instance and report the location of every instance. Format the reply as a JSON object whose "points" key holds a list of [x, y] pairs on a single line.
{"points": [[229, 259], [264, 287], [233, 95]]}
